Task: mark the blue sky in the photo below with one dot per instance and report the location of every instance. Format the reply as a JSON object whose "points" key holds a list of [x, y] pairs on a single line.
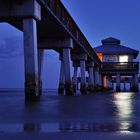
{"points": [[97, 19]]}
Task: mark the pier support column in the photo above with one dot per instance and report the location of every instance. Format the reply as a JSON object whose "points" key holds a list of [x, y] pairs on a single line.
{"points": [[79, 60], [91, 80], [100, 82], [40, 68], [131, 83], [75, 79], [61, 79], [66, 61], [97, 79], [30, 59], [118, 82], [111, 84], [91, 76], [83, 86], [124, 86], [136, 82]]}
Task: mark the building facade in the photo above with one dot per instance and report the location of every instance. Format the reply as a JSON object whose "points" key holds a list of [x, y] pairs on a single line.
{"points": [[118, 64]]}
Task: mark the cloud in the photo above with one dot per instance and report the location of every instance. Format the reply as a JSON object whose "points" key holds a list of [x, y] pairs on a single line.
{"points": [[11, 47]]}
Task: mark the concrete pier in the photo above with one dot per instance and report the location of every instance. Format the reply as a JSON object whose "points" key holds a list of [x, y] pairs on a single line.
{"points": [[30, 59], [100, 87], [83, 86], [61, 87], [79, 60], [118, 82], [66, 61], [135, 87], [90, 66], [97, 79], [75, 79], [40, 68]]}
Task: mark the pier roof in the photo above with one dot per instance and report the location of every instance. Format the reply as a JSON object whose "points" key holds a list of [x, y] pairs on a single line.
{"points": [[112, 46]]}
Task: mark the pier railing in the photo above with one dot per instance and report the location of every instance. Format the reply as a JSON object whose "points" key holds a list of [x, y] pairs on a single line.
{"points": [[120, 66], [57, 9]]}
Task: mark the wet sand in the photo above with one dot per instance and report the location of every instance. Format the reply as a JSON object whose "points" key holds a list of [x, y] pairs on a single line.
{"points": [[104, 116]]}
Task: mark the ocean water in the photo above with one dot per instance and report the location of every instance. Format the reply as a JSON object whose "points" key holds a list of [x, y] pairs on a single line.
{"points": [[95, 114]]}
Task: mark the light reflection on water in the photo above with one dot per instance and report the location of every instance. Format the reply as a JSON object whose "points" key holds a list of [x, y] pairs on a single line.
{"points": [[123, 108], [125, 111], [69, 127], [124, 103]]}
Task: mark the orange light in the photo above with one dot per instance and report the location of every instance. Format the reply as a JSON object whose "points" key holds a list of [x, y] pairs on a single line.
{"points": [[100, 55]]}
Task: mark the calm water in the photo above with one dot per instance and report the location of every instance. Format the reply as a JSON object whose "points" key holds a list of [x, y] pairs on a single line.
{"points": [[93, 113]]}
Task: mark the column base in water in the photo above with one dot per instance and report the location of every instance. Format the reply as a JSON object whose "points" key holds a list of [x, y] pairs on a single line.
{"points": [[61, 88], [118, 89], [31, 91], [40, 87], [68, 89], [135, 88], [91, 88], [74, 88], [83, 89]]}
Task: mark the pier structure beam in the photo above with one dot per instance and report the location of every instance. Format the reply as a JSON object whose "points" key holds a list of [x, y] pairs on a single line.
{"points": [[20, 10], [30, 59], [97, 79], [110, 83], [65, 45], [75, 72], [135, 83], [100, 82], [131, 83], [106, 82], [90, 67], [40, 69], [66, 61], [83, 86], [118, 82], [81, 58], [75, 79], [124, 86], [61, 79], [29, 12]]}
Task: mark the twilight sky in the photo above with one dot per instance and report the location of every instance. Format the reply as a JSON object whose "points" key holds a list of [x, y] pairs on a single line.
{"points": [[97, 19]]}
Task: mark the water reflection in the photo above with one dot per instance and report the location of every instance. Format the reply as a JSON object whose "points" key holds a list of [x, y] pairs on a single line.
{"points": [[31, 127], [37, 115], [124, 103], [70, 127], [125, 111]]}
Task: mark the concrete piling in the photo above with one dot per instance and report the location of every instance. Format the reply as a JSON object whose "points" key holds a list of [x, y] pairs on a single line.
{"points": [[30, 59]]}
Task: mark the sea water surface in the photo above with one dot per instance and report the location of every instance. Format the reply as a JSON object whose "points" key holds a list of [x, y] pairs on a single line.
{"points": [[81, 117]]}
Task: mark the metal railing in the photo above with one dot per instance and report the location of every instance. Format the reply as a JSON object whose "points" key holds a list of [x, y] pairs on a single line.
{"points": [[120, 66], [60, 12]]}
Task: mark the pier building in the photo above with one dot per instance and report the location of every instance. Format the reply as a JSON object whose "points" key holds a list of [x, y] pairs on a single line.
{"points": [[118, 64]]}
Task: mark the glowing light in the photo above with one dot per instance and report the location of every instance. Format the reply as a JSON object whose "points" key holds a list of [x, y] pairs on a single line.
{"points": [[124, 104], [123, 58], [100, 55], [127, 132], [124, 126]]}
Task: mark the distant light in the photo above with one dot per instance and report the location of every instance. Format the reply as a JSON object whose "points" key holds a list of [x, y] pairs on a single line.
{"points": [[123, 58], [124, 104], [100, 55], [127, 132]]}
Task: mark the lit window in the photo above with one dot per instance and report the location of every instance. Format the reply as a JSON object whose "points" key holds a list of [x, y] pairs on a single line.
{"points": [[123, 58]]}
